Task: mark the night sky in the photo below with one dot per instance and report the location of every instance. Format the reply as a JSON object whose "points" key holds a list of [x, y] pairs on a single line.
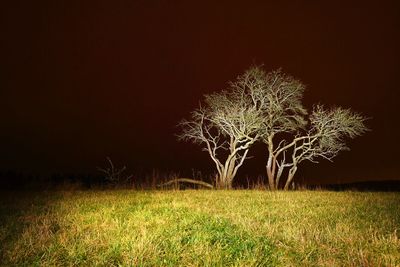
{"points": [[82, 80]]}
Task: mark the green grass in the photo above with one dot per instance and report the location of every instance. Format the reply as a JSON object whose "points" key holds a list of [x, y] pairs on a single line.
{"points": [[200, 228]]}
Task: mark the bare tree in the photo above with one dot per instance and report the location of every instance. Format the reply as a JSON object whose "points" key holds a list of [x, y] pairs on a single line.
{"points": [[114, 175], [325, 139], [268, 107], [227, 126], [278, 97]]}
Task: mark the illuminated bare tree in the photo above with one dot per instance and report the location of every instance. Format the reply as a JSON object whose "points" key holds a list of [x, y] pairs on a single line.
{"points": [[278, 97], [227, 126], [267, 107], [325, 139]]}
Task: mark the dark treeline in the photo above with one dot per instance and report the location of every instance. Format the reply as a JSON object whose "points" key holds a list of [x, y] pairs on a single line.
{"points": [[381, 186], [14, 180]]}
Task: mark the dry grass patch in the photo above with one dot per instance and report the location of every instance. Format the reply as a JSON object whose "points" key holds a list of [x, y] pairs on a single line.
{"points": [[201, 228]]}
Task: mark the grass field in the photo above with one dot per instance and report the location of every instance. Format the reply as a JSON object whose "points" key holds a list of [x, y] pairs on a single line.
{"points": [[200, 228]]}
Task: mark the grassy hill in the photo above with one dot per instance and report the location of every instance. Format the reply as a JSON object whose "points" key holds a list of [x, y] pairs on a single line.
{"points": [[200, 228]]}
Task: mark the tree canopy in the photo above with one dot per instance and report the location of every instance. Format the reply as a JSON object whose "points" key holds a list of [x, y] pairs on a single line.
{"points": [[267, 107]]}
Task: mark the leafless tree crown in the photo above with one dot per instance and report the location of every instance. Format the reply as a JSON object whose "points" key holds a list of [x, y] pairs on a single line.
{"points": [[260, 106]]}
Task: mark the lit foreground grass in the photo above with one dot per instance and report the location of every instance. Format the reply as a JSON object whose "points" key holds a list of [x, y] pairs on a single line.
{"points": [[200, 228]]}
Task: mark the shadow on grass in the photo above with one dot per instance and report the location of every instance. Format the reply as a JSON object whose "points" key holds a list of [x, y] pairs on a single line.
{"points": [[18, 211]]}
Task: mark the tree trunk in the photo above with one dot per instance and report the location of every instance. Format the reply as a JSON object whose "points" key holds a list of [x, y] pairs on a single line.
{"points": [[291, 174], [270, 174], [279, 174], [270, 165], [231, 168], [224, 182], [271, 181]]}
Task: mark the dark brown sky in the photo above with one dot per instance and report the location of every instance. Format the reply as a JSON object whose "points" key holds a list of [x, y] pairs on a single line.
{"points": [[82, 80]]}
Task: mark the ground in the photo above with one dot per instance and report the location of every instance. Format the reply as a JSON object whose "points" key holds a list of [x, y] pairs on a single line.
{"points": [[200, 228]]}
